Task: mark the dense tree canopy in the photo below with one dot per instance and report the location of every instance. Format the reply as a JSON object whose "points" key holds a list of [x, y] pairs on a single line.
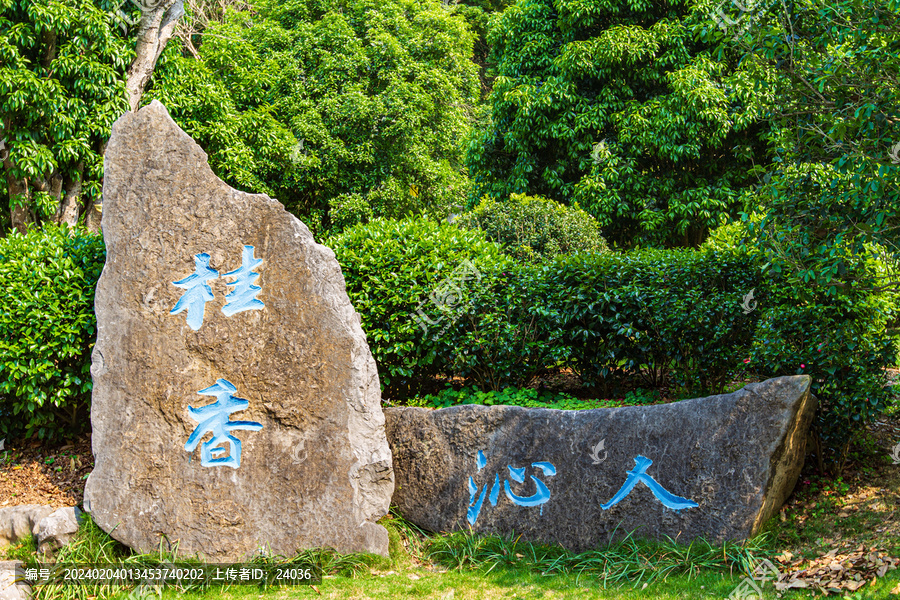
{"points": [[615, 105], [823, 76], [343, 111], [62, 84]]}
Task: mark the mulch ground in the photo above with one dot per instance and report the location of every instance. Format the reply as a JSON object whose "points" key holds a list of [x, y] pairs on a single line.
{"points": [[33, 472]]}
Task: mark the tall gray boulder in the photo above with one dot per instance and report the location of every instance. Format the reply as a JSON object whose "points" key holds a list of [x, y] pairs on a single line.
{"points": [[236, 406]]}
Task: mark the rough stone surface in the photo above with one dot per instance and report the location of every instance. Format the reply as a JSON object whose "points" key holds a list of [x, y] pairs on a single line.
{"points": [[17, 522], [10, 570], [736, 456], [318, 473], [57, 529]]}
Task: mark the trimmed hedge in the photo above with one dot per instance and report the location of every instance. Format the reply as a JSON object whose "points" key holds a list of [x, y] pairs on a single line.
{"points": [[47, 330], [409, 280], [653, 314]]}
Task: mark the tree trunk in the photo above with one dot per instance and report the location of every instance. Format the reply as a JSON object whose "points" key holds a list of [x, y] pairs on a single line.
{"points": [[157, 26], [70, 203], [20, 217], [92, 214], [56, 185], [19, 214]]}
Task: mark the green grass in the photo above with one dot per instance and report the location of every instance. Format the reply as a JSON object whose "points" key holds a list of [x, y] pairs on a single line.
{"points": [[498, 584], [627, 561], [21, 550], [463, 565]]}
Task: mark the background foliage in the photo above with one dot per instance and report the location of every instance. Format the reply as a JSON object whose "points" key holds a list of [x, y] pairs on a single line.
{"points": [[344, 111], [821, 78], [62, 84], [619, 108]]}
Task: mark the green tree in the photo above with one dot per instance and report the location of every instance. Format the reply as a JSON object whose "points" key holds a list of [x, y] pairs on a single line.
{"points": [[343, 111], [823, 77], [615, 106], [62, 84], [68, 69]]}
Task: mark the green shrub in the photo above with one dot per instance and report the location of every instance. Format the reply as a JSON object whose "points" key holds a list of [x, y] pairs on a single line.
{"points": [[842, 343], [47, 329], [501, 339], [496, 324], [410, 280], [729, 238], [534, 228], [652, 314]]}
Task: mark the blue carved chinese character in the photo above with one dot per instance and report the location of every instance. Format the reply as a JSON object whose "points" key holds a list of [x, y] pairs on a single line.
{"points": [[539, 498], [243, 296], [543, 493], [639, 473], [198, 291], [215, 418]]}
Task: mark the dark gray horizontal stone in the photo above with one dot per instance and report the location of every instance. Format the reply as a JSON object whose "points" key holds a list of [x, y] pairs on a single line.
{"points": [[715, 467]]}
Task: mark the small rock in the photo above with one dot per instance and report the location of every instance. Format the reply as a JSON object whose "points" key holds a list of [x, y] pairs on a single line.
{"points": [[9, 590], [57, 529], [18, 522]]}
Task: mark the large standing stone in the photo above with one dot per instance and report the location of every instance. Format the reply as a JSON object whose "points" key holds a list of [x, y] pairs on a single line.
{"points": [[714, 467], [310, 466]]}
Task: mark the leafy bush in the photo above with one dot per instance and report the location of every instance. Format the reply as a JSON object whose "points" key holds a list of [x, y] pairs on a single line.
{"points": [[652, 313], [47, 329], [436, 299], [501, 339], [533, 228], [842, 343], [409, 280], [730, 237]]}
